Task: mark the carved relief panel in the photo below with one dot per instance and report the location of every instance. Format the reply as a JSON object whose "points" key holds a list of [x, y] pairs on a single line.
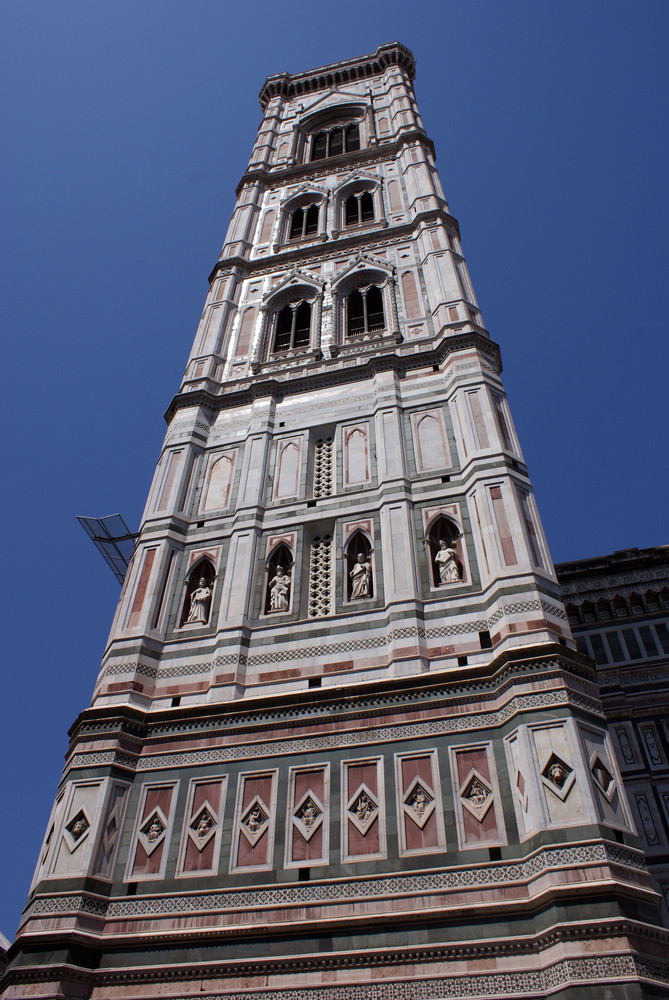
{"points": [[652, 747], [478, 809], [202, 828], [420, 815], [152, 833], [363, 829], [627, 747], [254, 822], [649, 826], [308, 816]]}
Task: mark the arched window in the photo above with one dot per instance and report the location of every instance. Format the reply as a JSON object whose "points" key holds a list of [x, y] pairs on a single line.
{"points": [[364, 310], [445, 552], [303, 222], [279, 584], [292, 327], [359, 583], [334, 141], [359, 208], [196, 608]]}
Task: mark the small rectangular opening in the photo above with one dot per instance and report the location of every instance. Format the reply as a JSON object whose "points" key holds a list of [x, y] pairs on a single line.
{"points": [[495, 853], [435, 368], [303, 874], [619, 835], [485, 640], [314, 682], [445, 479], [132, 889], [282, 423], [176, 701], [311, 503], [462, 661], [200, 524]]}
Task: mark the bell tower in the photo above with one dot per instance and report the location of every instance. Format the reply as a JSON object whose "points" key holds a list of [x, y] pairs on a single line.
{"points": [[342, 743]]}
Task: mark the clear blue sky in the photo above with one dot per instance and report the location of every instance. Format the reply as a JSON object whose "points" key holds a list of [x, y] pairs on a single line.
{"points": [[127, 126]]}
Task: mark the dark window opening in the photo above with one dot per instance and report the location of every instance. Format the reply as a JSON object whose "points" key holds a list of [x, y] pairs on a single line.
{"points": [[132, 889], [462, 661], [485, 640], [303, 874], [359, 208], [176, 702], [303, 222], [293, 327], [314, 682], [364, 311], [495, 853], [335, 141]]}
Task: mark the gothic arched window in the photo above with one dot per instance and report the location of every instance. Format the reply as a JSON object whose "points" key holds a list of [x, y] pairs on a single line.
{"points": [[364, 310], [334, 141], [444, 552], [196, 609], [292, 327], [358, 208], [303, 222]]}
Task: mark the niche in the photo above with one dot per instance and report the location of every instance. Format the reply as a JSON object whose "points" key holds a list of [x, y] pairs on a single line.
{"points": [[358, 568], [199, 589], [278, 589], [444, 545]]}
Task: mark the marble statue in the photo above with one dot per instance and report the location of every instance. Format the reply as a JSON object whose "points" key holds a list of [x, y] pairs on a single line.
{"points": [[199, 604], [279, 589], [447, 563], [361, 577]]}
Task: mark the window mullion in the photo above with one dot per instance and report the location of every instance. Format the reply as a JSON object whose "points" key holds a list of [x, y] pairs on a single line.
{"points": [[364, 311]]}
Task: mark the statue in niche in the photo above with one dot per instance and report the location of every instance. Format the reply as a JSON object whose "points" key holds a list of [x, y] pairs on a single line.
{"points": [[309, 814], [79, 828], [255, 819], [199, 604], [279, 591], [447, 562], [361, 577]]}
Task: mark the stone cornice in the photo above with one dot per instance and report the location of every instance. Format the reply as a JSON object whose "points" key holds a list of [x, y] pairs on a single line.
{"points": [[330, 372], [302, 708], [245, 267], [387, 150], [288, 85]]}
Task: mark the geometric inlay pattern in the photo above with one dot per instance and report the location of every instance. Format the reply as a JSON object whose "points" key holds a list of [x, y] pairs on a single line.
{"points": [[452, 878], [455, 724]]}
